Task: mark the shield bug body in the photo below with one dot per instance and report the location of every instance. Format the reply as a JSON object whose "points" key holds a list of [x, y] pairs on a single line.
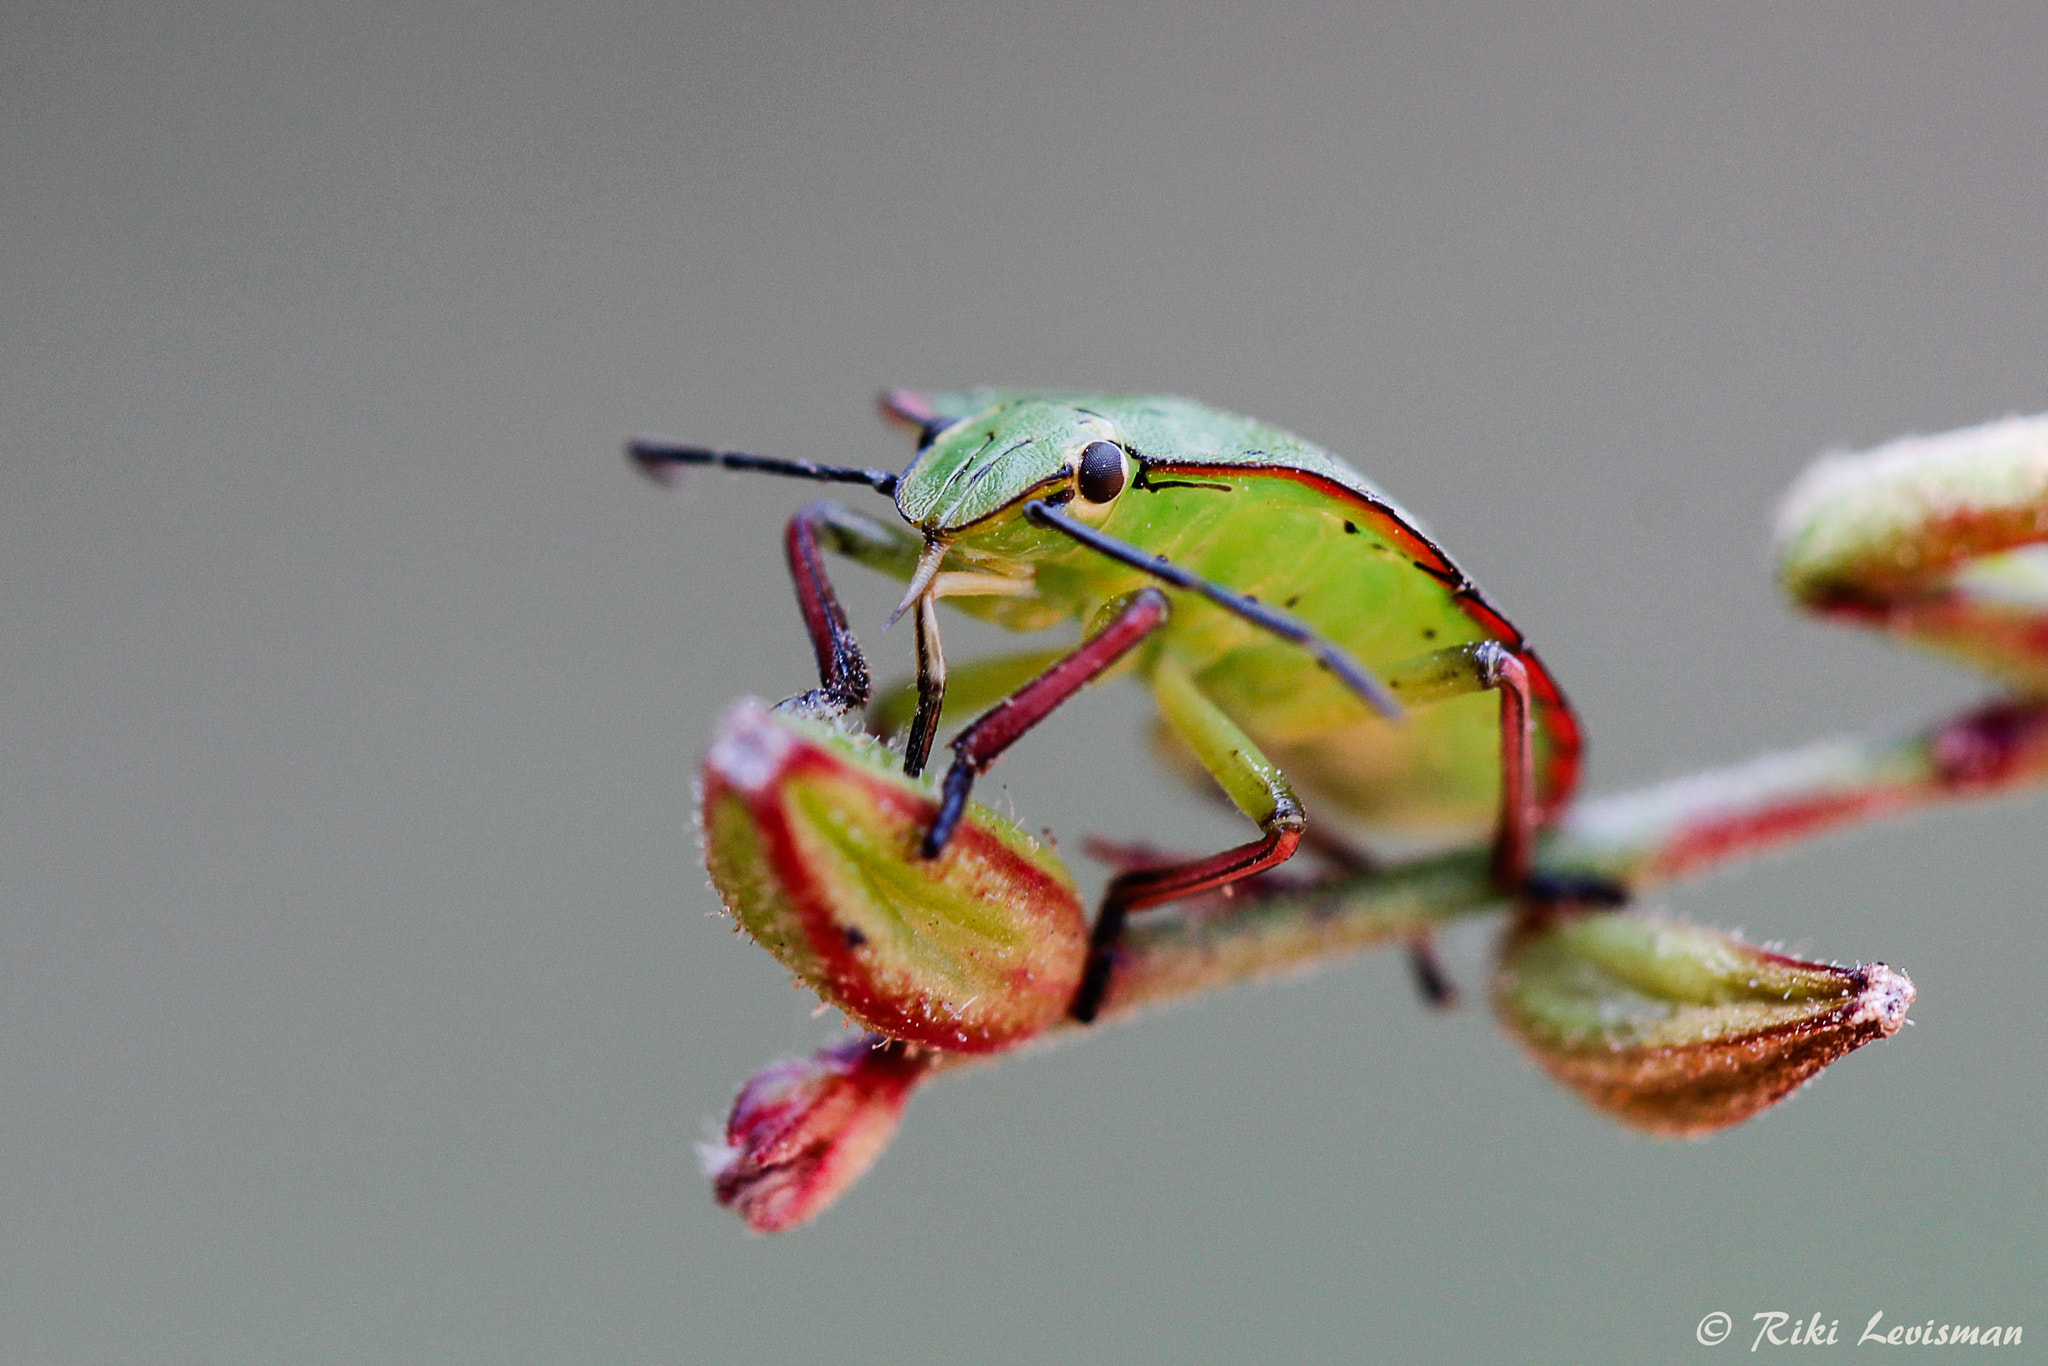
{"points": [[1297, 628]]}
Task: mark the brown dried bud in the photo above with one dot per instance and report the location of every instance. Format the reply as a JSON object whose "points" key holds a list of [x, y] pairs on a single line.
{"points": [[811, 837], [802, 1132], [1680, 1030]]}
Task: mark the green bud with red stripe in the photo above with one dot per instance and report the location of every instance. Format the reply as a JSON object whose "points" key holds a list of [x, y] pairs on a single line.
{"points": [[1680, 1030], [811, 838]]}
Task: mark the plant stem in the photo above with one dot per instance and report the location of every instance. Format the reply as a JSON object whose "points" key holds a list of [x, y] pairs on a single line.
{"points": [[1638, 840]]}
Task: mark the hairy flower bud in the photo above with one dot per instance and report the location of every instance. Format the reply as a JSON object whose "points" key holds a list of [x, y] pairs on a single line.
{"points": [[802, 1132], [811, 838], [1680, 1030]]}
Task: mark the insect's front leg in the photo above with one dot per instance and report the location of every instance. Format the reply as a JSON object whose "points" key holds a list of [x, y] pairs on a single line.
{"points": [[890, 549], [844, 682], [1254, 785]]}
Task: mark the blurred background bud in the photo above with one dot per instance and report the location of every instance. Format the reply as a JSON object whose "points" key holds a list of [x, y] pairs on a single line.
{"points": [[1935, 538], [802, 1132], [1679, 1030], [811, 839]]}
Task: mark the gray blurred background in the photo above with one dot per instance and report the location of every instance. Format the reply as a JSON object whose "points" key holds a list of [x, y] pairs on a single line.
{"points": [[360, 993]]}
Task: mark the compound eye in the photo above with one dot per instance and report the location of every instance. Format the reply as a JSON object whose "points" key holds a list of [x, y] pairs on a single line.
{"points": [[1102, 471]]}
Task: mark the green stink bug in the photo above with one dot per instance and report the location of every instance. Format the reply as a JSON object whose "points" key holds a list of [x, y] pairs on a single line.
{"points": [[1316, 636]]}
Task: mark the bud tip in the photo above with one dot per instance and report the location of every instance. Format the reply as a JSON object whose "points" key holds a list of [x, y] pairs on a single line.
{"points": [[750, 749]]}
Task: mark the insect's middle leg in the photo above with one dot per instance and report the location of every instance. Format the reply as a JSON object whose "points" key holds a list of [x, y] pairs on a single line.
{"points": [[1254, 785]]}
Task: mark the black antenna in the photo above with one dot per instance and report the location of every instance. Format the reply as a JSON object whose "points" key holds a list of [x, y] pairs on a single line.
{"points": [[1257, 613], [656, 458]]}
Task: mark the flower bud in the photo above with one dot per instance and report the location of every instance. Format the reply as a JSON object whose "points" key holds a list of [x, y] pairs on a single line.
{"points": [[802, 1132], [811, 837], [1679, 1030]]}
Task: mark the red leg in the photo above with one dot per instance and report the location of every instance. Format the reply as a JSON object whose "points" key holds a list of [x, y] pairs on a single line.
{"points": [[1144, 887], [975, 748], [1254, 785], [842, 668], [1489, 666], [1514, 849]]}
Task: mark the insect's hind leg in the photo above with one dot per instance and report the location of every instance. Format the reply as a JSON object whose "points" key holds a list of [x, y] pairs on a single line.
{"points": [[1483, 666], [1254, 785], [843, 679], [1488, 665]]}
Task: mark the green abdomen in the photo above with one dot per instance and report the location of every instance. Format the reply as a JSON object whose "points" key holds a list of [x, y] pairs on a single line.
{"points": [[1369, 583]]}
